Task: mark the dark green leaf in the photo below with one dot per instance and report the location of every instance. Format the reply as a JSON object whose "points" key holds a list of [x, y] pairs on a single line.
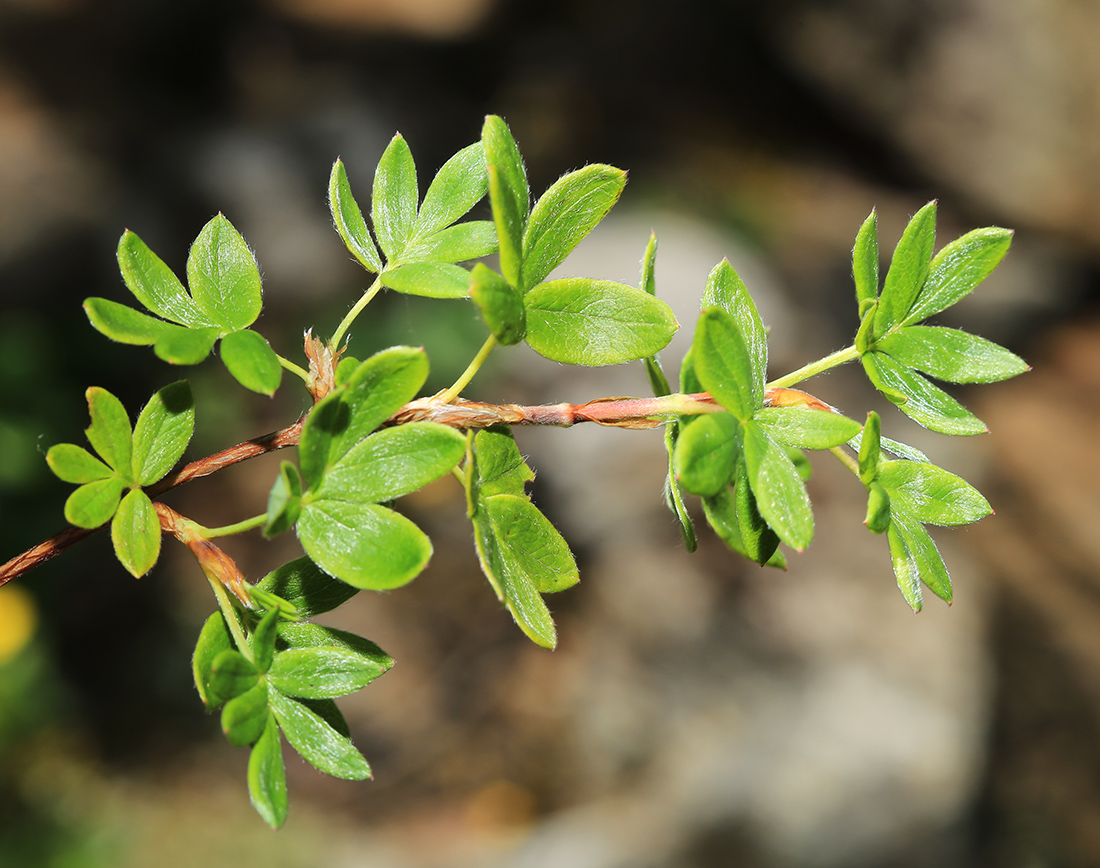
{"points": [[805, 428], [267, 776], [456, 188], [707, 451], [508, 193], [213, 639], [958, 269], [231, 674], [135, 533], [596, 322], [306, 635], [72, 463], [110, 432], [865, 261], [94, 503], [723, 365], [123, 324], [931, 494], [154, 285], [500, 304], [319, 744], [321, 673], [249, 358], [185, 346], [778, 488], [284, 503], [162, 432], [223, 276], [500, 466], [393, 206], [430, 279], [470, 240], [307, 587], [349, 221], [263, 640], [726, 290], [734, 516], [916, 559], [908, 270], [922, 402], [365, 545], [951, 355], [565, 214], [244, 717]]}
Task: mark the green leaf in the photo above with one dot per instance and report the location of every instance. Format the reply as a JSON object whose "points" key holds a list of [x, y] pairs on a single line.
{"points": [[94, 503], [931, 494], [922, 402], [377, 389], [213, 639], [778, 488], [72, 463], [321, 673], [470, 240], [269, 602], [393, 205], [580, 321], [123, 324], [689, 380], [110, 432], [393, 462], [135, 533], [154, 285], [916, 559], [244, 717], [805, 428], [284, 503], [565, 214], [870, 451], [500, 304], [529, 543], [908, 270], [958, 269], [307, 587], [723, 365], [509, 195], [231, 674], [430, 279], [500, 467], [162, 432], [647, 282], [865, 261], [456, 188], [707, 451], [951, 355], [223, 276], [365, 545], [319, 744], [263, 640], [726, 290], [249, 358], [349, 221], [185, 346], [878, 508], [735, 517], [329, 712], [305, 635], [674, 499], [267, 776]]}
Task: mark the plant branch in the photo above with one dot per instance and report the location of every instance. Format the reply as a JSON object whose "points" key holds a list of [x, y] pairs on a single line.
{"points": [[471, 369], [814, 368], [357, 309]]}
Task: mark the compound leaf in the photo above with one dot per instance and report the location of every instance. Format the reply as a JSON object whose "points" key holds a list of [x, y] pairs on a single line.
{"points": [[154, 285], [456, 188], [916, 559], [958, 268], [72, 463]]}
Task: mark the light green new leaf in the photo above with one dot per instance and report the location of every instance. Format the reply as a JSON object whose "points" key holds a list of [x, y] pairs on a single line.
{"points": [[908, 270], [284, 502], [500, 468], [647, 282], [267, 776], [916, 559], [244, 717], [122, 323], [500, 304], [951, 355], [162, 432], [94, 503], [249, 358], [393, 462], [565, 214], [865, 261], [924, 403], [348, 217], [319, 744], [805, 428], [135, 533], [213, 639], [580, 321], [723, 364], [509, 194], [322, 672], [430, 279], [223, 276], [456, 188], [958, 269], [726, 290], [110, 432], [263, 638], [878, 508], [185, 346], [307, 587], [470, 240], [931, 494], [155, 286], [72, 463], [778, 488], [393, 205], [706, 455], [365, 545], [870, 448]]}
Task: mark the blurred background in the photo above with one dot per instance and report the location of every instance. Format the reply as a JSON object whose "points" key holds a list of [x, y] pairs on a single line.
{"points": [[700, 712]]}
